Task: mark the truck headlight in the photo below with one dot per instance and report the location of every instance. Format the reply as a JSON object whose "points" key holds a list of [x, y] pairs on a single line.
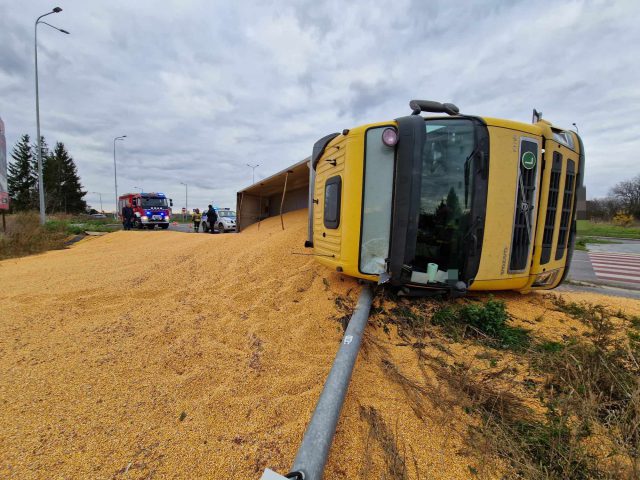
{"points": [[546, 278], [167, 218], [144, 218]]}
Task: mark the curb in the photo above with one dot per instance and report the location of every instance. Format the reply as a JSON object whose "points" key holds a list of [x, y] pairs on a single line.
{"points": [[622, 286]]}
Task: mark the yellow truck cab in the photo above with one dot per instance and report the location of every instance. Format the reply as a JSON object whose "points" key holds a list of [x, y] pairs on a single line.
{"points": [[447, 203]]}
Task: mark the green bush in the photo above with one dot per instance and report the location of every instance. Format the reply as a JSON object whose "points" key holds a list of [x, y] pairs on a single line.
{"points": [[487, 321]]}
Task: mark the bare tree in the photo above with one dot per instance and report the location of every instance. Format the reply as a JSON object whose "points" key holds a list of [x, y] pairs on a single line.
{"points": [[628, 193], [603, 208]]}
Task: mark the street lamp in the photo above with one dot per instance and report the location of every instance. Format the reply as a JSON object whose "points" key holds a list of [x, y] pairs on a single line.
{"points": [[577, 131], [115, 172], [253, 172], [98, 193], [186, 198], [40, 174]]}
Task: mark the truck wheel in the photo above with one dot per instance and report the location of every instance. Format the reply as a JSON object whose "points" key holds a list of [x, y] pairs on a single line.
{"points": [[205, 229], [164, 227], [221, 228]]}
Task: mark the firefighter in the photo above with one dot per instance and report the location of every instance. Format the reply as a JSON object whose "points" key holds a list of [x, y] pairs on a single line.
{"points": [[127, 216], [196, 219], [212, 218]]}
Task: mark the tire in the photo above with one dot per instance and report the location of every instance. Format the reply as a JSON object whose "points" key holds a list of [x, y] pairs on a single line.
{"points": [[164, 227], [221, 228], [204, 226]]}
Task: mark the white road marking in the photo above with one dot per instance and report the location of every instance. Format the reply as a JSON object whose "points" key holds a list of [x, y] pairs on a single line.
{"points": [[618, 267]]}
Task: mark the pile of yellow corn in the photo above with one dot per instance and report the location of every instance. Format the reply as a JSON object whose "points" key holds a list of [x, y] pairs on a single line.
{"points": [[172, 355]]}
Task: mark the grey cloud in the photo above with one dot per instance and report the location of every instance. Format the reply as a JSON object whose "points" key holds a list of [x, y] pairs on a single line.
{"points": [[202, 88]]}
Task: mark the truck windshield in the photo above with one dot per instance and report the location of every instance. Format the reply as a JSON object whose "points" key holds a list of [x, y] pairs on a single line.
{"points": [[154, 202], [445, 195], [226, 213]]}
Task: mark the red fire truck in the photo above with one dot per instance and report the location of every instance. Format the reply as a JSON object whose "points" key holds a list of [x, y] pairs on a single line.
{"points": [[149, 209]]}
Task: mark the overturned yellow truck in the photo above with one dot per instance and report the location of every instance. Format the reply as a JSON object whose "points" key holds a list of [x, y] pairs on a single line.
{"points": [[447, 203]]}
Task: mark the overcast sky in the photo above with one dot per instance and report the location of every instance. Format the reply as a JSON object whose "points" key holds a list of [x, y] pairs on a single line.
{"points": [[202, 88]]}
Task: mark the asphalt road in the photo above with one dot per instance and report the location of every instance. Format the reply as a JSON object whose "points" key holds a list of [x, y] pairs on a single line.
{"points": [[614, 265], [183, 227]]}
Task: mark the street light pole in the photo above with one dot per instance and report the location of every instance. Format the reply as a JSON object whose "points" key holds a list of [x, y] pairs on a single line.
{"points": [[40, 174], [186, 197], [101, 209], [115, 172], [577, 131], [253, 172]]}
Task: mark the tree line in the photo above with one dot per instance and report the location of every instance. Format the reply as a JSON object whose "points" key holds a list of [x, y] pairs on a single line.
{"points": [[623, 198], [62, 187]]}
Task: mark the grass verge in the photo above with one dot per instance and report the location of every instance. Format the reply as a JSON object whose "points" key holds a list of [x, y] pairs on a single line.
{"points": [[485, 322], [581, 242], [78, 226], [567, 408], [587, 228], [25, 235]]}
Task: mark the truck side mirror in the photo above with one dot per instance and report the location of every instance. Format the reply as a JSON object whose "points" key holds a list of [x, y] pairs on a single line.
{"points": [[171, 202]]}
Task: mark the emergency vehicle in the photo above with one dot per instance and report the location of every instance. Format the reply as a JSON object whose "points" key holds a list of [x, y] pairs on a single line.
{"points": [[449, 202], [226, 221], [149, 209]]}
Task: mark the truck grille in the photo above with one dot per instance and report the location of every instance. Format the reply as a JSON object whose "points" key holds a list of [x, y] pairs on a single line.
{"points": [[552, 206], [525, 202], [567, 202]]}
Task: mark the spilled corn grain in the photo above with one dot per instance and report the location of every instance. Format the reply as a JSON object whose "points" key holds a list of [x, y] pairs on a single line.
{"points": [[171, 355]]}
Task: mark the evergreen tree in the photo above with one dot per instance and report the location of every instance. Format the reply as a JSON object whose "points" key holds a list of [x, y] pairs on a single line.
{"points": [[52, 171], [69, 197], [21, 176]]}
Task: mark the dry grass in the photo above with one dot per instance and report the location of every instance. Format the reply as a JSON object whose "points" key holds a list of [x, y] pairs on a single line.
{"points": [[394, 453], [25, 236], [547, 409]]}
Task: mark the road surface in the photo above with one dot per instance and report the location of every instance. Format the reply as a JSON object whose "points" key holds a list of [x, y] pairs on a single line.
{"points": [[608, 264], [184, 227]]}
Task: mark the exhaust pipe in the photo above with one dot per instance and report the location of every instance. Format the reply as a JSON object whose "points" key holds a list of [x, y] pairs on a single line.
{"points": [[314, 450]]}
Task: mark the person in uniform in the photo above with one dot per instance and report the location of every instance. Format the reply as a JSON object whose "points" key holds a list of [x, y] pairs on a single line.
{"points": [[196, 218], [212, 218], [127, 216]]}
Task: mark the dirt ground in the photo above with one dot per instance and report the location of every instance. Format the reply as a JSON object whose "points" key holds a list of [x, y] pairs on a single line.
{"points": [[170, 355]]}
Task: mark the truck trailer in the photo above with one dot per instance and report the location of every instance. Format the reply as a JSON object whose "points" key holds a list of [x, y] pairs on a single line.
{"points": [[447, 202]]}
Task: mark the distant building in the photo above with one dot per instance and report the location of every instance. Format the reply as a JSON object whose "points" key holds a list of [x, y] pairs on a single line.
{"points": [[581, 205]]}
